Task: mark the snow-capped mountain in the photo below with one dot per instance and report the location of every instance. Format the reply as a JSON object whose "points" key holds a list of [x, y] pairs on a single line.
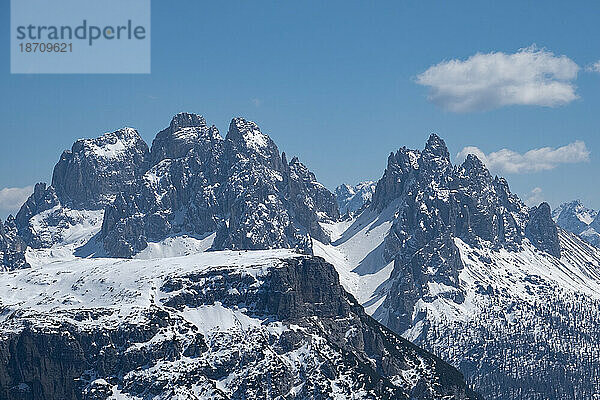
{"points": [[351, 199], [217, 325], [178, 321], [580, 220], [444, 255], [239, 190], [448, 257]]}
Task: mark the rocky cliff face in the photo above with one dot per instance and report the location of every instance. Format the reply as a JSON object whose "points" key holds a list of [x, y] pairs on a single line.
{"points": [[239, 187], [228, 325], [43, 199], [191, 181], [592, 233], [542, 231], [91, 174], [438, 202], [12, 247], [448, 257]]}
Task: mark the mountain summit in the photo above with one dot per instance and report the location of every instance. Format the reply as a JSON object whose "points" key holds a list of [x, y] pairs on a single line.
{"points": [[240, 190], [257, 317], [447, 256], [444, 255]]}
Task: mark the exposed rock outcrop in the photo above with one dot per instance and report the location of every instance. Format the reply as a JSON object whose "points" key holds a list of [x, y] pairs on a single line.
{"points": [[298, 335], [542, 231], [437, 202], [12, 247], [90, 174], [192, 181], [239, 187]]}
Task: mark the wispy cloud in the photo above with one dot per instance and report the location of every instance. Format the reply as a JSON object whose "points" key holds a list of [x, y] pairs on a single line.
{"points": [[595, 67], [257, 102], [11, 199], [530, 76], [544, 158], [535, 197]]}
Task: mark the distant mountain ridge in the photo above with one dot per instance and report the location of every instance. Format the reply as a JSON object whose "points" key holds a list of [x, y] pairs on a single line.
{"points": [[580, 220], [352, 199]]}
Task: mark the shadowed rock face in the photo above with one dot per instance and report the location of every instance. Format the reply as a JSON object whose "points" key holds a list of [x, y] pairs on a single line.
{"points": [[240, 187], [541, 230], [12, 247], [306, 314], [438, 202], [90, 174], [192, 181]]}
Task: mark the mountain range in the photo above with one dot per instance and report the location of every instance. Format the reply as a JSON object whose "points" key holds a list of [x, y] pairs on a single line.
{"points": [[191, 267], [578, 219]]}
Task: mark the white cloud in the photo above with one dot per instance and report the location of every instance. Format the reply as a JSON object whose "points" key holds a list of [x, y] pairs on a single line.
{"points": [[530, 76], [535, 197], [257, 102], [595, 67], [11, 199], [544, 158]]}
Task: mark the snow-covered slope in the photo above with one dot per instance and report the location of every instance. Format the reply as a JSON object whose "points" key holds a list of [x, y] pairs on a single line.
{"points": [[443, 254], [449, 258], [516, 319], [216, 325], [356, 250]]}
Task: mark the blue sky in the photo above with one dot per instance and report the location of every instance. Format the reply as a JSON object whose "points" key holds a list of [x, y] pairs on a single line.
{"points": [[339, 84]]}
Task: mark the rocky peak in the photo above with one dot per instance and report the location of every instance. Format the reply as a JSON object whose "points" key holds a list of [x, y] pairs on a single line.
{"points": [[436, 148], [574, 216], [90, 174], [246, 142], [186, 120], [301, 171], [241, 188], [344, 190], [541, 230], [42, 199], [310, 201], [438, 203], [184, 133], [402, 167], [10, 222], [352, 199], [110, 144], [473, 165]]}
